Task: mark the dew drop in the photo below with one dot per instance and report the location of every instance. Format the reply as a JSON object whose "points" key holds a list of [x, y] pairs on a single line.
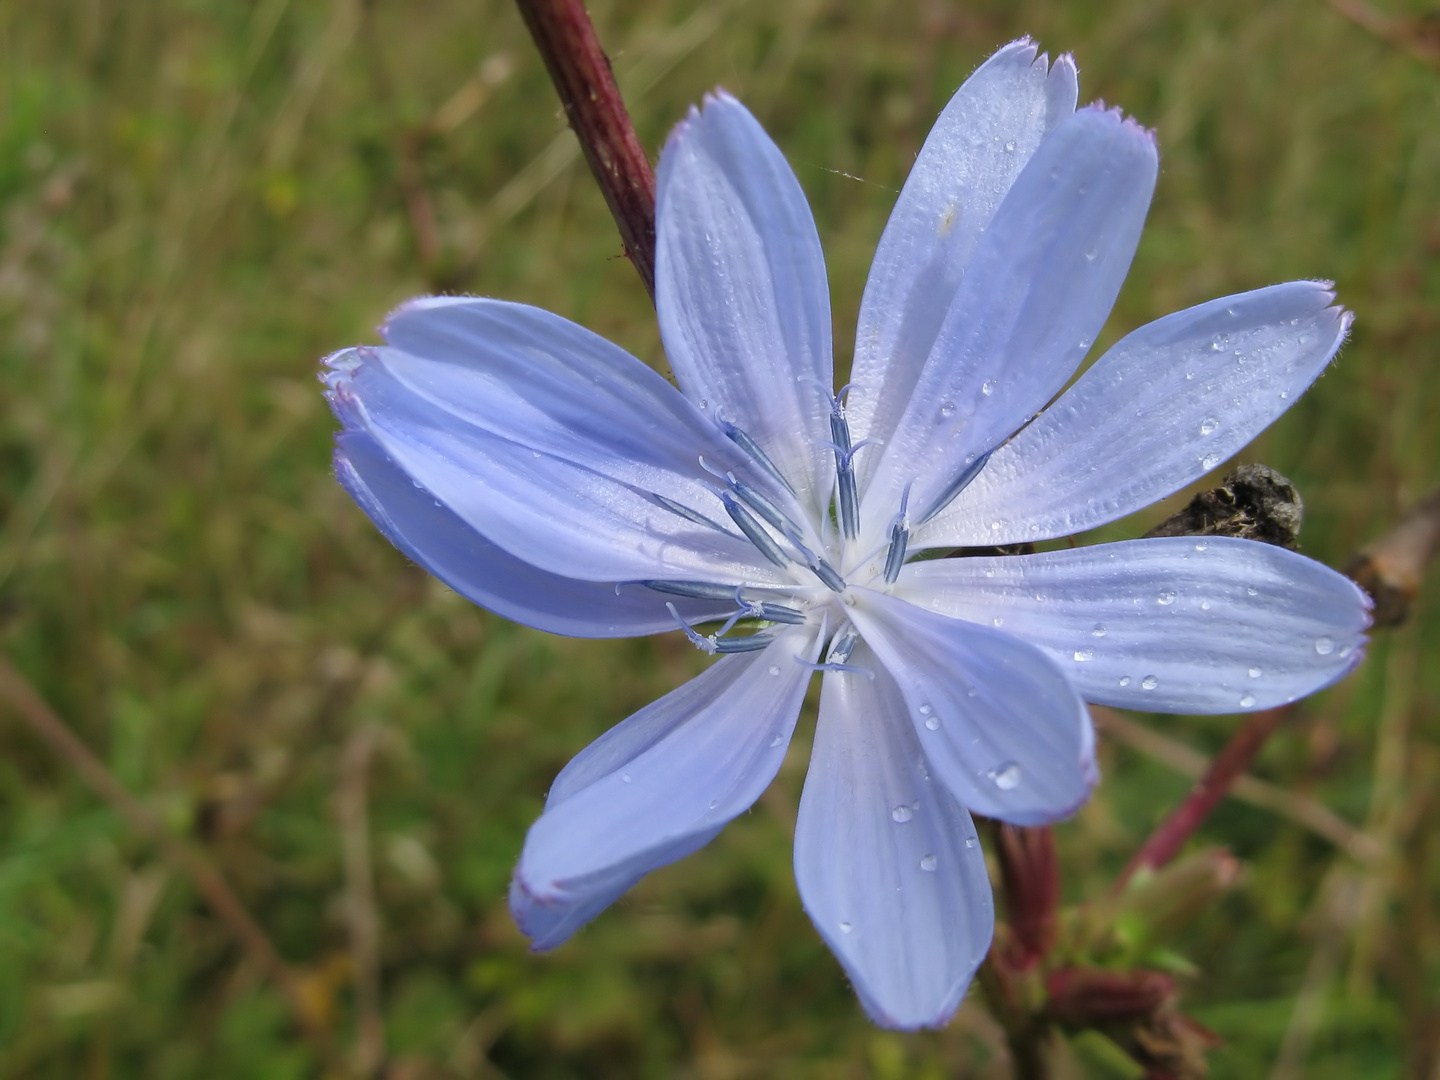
{"points": [[704, 404], [933, 723], [1149, 682], [1250, 590], [997, 622], [947, 409], [1208, 425], [625, 777], [1255, 673], [1215, 345], [1204, 605], [901, 814], [846, 927], [1166, 598], [1010, 149], [925, 709], [987, 387], [1083, 655], [1346, 651], [928, 863], [1124, 680], [1324, 646], [970, 691], [1099, 631], [1201, 546], [989, 573], [774, 669], [994, 526], [1007, 777], [1247, 701], [777, 742], [1090, 255], [1284, 395], [970, 841], [1189, 375], [1209, 461]]}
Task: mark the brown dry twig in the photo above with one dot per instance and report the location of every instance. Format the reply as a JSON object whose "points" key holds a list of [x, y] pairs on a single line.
{"points": [[1419, 36], [1391, 568]]}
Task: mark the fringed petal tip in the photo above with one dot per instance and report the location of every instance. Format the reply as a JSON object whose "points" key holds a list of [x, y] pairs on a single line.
{"points": [[1099, 107]]}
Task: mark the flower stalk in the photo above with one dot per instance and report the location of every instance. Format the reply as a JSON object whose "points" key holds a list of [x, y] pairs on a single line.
{"points": [[580, 70]]}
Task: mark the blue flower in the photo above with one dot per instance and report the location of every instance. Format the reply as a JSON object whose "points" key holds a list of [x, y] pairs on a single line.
{"points": [[555, 479]]}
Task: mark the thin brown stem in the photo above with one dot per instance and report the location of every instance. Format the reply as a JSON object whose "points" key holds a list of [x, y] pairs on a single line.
{"points": [[581, 73], [23, 699], [1230, 764], [352, 813]]}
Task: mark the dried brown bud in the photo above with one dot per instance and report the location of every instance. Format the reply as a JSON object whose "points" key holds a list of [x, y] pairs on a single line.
{"points": [[1254, 502]]}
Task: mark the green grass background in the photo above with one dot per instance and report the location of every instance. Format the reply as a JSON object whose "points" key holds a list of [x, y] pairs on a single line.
{"points": [[198, 199]]}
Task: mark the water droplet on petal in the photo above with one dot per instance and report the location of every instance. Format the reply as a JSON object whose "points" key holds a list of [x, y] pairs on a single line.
{"points": [[1201, 545], [1204, 605], [1007, 776], [994, 526], [1247, 701], [997, 622], [947, 409], [1099, 631], [1149, 682], [774, 669], [625, 777], [1209, 461], [928, 863], [987, 387], [1010, 147], [1124, 680], [1083, 655], [777, 741], [1208, 425], [902, 814], [933, 723], [1090, 255], [1166, 598], [846, 927], [1189, 375], [1250, 590], [970, 841], [925, 709], [1324, 646], [1215, 345]]}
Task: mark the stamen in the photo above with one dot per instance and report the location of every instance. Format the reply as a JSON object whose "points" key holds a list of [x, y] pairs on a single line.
{"points": [[827, 574], [961, 483], [697, 590], [714, 643], [846, 492], [899, 538], [841, 648], [682, 511], [751, 447], [761, 505], [753, 530], [836, 667], [779, 613]]}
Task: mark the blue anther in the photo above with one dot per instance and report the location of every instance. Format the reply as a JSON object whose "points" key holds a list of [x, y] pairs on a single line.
{"points": [[753, 530], [844, 471], [751, 447], [899, 538], [827, 666], [780, 613], [752, 643], [961, 483], [827, 574], [683, 511], [762, 506], [698, 590], [841, 648]]}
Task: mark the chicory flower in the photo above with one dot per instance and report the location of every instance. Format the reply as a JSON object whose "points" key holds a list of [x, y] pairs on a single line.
{"points": [[553, 478]]}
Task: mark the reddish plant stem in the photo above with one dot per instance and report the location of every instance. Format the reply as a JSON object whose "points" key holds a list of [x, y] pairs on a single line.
{"points": [[26, 702], [1167, 840], [1030, 880], [581, 73]]}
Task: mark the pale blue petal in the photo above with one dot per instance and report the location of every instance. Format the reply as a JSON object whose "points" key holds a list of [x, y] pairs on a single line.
{"points": [[551, 385], [741, 293], [1036, 292], [984, 137], [552, 512], [660, 785], [1175, 624], [430, 534], [1000, 724], [1167, 404], [888, 863]]}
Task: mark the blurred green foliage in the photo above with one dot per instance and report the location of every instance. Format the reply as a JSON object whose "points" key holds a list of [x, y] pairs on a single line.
{"points": [[198, 199]]}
